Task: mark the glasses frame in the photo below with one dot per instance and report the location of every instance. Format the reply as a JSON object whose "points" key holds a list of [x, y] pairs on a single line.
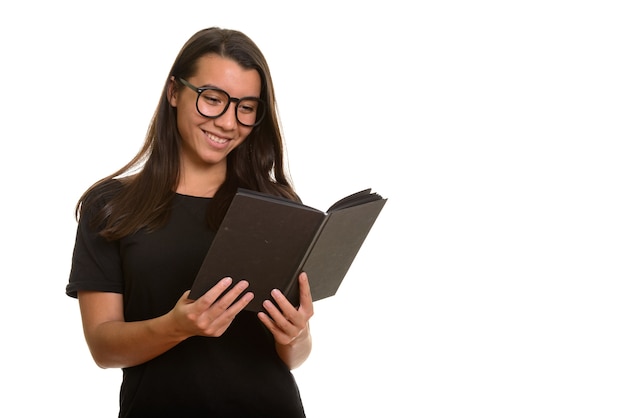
{"points": [[235, 100]]}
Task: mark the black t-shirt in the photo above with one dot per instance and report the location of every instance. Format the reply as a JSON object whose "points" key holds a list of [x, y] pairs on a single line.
{"points": [[236, 375]]}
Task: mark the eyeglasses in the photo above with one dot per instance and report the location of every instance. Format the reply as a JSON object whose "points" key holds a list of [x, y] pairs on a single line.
{"points": [[213, 103]]}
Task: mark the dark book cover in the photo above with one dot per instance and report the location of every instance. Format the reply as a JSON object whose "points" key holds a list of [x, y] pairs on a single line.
{"points": [[269, 240]]}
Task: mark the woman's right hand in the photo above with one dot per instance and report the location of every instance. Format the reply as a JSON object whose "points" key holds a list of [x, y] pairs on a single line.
{"points": [[212, 313]]}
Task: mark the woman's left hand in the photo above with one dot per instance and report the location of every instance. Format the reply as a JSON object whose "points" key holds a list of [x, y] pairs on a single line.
{"points": [[287, 323]]}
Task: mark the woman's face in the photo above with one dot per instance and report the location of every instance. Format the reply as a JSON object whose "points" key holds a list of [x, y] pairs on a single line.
{"points": [[207, 142]]}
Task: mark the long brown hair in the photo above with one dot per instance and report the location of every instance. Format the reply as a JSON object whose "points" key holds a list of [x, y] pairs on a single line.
{"points": [[148, 181]]}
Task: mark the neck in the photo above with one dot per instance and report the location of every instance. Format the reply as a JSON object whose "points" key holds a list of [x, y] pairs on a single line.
{"points": [[201, 183]]}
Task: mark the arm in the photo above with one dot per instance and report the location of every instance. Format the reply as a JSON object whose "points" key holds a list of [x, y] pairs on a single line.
{"points": [[290, 326], [113, 342]]}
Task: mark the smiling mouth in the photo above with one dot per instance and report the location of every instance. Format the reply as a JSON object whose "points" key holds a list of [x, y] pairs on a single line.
{"points": [[215, 139]]}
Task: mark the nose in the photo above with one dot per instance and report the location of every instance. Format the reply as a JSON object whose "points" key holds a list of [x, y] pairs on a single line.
{"points": [[228, 120]]}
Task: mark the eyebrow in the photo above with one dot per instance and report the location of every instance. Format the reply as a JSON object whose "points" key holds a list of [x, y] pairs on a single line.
{"points": [[205, 86]]}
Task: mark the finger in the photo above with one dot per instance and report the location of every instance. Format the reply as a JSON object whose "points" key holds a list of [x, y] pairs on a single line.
{"points": [[296, 315], [269, 323], [227, 299], [286, 317], [271, 318], [185, 297], [306, 300], [240, 304], [287, 309], [280, 336], [216, 298], [221, 314], [214, 293]]}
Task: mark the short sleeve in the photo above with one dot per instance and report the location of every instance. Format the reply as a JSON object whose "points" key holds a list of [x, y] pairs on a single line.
{"points": [[96, 263]]}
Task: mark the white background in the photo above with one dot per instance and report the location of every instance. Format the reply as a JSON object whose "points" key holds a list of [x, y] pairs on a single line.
{"points": [[493, 283]]}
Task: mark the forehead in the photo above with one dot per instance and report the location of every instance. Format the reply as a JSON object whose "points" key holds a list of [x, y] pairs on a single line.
{"points": [[228, 75]]}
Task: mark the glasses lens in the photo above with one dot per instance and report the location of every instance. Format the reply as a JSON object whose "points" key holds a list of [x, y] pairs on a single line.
{"points": [[212, 103], [250, 111]]}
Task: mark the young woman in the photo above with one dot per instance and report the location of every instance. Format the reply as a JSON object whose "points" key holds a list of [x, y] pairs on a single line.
{"points": [[143, 232]]}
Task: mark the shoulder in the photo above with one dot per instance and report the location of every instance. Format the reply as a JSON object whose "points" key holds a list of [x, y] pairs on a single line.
{"points": [[100, 195], [103, 191]]}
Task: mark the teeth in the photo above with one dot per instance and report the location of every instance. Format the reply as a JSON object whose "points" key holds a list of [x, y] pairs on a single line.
{"points": [[216, 139]]}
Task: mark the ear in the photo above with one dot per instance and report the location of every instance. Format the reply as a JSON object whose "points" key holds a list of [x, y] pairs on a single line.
{"points": [[172, 91]]}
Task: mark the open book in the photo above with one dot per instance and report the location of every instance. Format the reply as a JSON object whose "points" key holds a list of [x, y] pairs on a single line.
{"points": [[269, 241]]}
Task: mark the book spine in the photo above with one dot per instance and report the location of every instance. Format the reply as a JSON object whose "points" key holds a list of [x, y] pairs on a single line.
{"points": [[292, 291]]}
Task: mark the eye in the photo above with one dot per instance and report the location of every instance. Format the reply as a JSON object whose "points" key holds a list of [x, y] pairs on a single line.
{"points": [[213, 98], [248, 106]]}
